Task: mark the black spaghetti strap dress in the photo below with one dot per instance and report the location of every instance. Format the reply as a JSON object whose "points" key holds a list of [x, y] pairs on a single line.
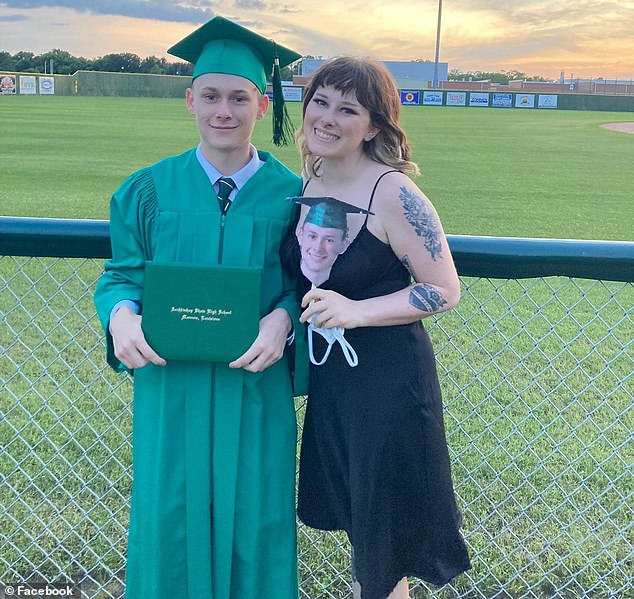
{"points": [[374, 459]]}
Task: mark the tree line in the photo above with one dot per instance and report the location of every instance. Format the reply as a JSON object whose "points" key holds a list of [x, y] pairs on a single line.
{"points": [[64, 63], [495, 77]]}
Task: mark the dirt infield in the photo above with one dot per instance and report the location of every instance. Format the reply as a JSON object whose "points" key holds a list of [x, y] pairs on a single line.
{"points": [[623, 127]]}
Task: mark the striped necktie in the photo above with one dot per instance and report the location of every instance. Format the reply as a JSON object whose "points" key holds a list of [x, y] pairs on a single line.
{"points": [[225, 186]]}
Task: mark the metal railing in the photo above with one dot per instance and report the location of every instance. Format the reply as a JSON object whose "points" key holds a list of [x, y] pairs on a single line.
{"points": [[536, 368]]}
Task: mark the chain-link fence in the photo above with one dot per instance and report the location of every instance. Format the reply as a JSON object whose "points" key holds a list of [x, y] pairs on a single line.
{"points": [[537, 382]]}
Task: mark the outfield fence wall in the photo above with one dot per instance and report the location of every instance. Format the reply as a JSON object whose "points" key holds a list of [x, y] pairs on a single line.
{"points": [[596, 102], [536, 368], [95, 83], [100, 83]]}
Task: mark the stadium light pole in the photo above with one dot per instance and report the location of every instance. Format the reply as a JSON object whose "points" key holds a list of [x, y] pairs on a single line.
{"points": [[435, 82]]}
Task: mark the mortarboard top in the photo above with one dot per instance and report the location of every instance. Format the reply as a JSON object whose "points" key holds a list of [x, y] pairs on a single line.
{"points": [[328, 212], [222, 46]]}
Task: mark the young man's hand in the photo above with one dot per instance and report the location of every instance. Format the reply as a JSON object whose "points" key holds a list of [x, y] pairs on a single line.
{"points": [[269, 345], [130, 346]]}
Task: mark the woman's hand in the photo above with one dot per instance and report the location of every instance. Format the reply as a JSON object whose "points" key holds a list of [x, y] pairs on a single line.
{"points": [[331, 310]]}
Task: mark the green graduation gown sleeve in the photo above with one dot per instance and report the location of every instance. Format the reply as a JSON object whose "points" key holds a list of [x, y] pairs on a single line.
{"points": [[212, 510]]}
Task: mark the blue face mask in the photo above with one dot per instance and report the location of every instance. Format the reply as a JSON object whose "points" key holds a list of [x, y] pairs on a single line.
{"points": [[332, 336]]}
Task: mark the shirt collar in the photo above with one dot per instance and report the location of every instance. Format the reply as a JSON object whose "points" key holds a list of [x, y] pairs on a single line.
{"points": [[240, 177]]}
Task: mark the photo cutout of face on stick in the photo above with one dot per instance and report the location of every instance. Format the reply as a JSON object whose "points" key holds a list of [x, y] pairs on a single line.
{"points": [[322, 235]]}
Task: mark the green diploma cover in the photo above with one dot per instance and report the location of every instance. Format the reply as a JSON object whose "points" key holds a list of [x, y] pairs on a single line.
{"points": [[201, 313]]}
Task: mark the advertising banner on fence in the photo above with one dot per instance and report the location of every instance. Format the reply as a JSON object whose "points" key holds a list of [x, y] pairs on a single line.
{"points": [[432, 98], [410, 97], [292, 93], [502, 100], [525, 101], [47, 85], [547, 101], [27, 84], [456, 99], [7, 84], [478, 99]]}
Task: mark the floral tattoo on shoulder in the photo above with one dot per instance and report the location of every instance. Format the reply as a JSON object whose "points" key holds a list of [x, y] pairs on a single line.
{"points": [[420, 215]]}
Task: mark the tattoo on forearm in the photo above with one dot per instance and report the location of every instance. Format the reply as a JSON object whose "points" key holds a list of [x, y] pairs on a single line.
{"points": [[418, 214], [426, 299]]}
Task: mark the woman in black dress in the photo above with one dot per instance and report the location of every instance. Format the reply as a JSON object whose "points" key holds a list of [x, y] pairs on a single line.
{"points": [[374, 458]]}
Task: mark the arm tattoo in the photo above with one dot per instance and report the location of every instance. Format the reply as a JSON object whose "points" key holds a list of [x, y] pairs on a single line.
{"points": [[426, 299], [424, 221]]}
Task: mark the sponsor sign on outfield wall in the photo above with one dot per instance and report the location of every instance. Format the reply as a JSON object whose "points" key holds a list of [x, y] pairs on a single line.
{"points": [[410, 97], [524, 100], [432, 98], [456, 98], [47, 85], [293, 93], [547, 101], [28, 84], [7, 84], [478, 99], [502, 100]]}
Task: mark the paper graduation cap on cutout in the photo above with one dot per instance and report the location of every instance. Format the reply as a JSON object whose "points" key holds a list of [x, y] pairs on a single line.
{"points": [[328, 212], [222, 46]]}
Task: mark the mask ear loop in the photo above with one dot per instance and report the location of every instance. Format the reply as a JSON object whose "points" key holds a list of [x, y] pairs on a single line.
{"points": [[311, 331], [348, 351]]}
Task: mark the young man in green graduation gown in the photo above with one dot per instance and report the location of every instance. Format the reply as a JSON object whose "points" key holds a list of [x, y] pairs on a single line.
{"points": [[212, 514]]}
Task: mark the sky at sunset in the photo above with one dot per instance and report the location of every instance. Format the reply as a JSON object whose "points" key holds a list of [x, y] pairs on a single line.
{"points": [[582, 38]]}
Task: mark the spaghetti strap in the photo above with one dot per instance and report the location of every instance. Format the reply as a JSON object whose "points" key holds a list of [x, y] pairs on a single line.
{"points": [[376, 184], [374, 191]]}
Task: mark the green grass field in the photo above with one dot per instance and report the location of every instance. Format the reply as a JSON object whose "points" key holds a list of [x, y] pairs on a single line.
{"points": [[536, 374], [506, 172]]}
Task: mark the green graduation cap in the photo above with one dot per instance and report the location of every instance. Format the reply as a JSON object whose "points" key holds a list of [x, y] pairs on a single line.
{"points": [[328, 212], [222, 46]]}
